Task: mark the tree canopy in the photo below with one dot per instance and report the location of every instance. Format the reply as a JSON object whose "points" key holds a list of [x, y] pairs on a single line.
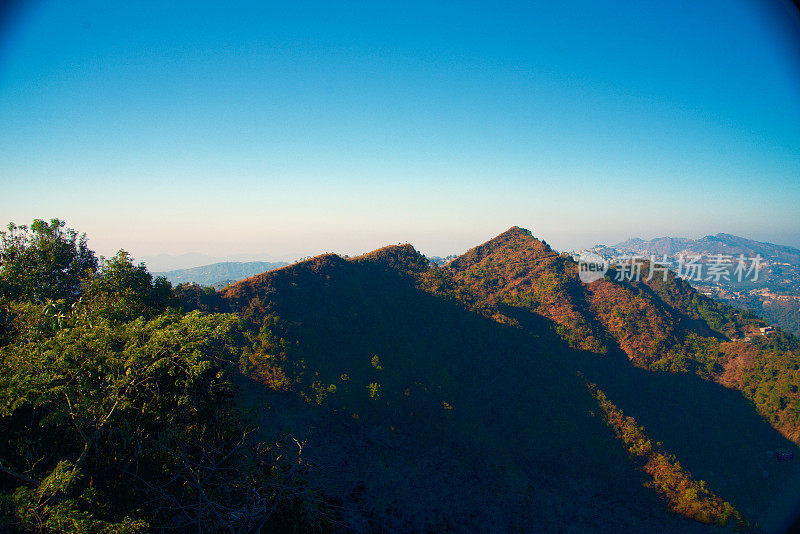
{"points": [[43, 261], [118, 411]]}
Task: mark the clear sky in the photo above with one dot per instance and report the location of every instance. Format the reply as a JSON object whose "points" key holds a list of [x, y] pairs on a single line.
{"points": [[302, 127]]}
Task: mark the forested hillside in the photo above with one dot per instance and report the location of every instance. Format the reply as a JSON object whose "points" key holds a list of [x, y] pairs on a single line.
{"points": [[660, 323], [659, 349], [383, 393], [118, 411]]}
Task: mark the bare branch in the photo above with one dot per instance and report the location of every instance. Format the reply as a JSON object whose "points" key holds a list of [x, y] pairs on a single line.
{"points": [[18, 475], [90, 442], [74, 418]]}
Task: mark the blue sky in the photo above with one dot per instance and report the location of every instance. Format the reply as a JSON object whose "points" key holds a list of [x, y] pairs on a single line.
{"points": [[302, 127]]}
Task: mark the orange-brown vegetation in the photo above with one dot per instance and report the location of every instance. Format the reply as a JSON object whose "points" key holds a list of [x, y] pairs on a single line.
{"points": [[684, 495]]}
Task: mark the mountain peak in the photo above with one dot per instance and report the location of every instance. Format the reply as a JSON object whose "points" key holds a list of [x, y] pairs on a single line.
{"points": [[403, 258], [514, 231], [515, 242]]}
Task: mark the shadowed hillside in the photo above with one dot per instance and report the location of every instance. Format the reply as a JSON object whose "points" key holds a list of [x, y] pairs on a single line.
{"points": [[479, 370]]}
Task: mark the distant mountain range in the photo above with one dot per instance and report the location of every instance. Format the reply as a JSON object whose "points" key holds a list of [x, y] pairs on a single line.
{"points": [[440, 261], [726, 244], [219, 274], [172, 262]]}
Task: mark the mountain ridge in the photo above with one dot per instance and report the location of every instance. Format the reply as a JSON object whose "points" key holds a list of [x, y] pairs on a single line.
{"points": [[386, 336]]}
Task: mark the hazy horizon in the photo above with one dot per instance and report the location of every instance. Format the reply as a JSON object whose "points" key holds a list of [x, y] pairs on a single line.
{"points": [[167, 262], [295, 129]]}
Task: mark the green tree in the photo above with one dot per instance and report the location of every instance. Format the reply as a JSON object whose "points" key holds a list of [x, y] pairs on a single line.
{"points": [[121, 290], [43, 261], [98, 412]]}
